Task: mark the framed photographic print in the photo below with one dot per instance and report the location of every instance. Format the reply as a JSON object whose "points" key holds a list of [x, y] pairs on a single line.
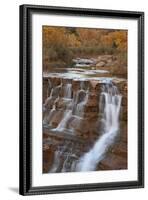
{"points": [[81, 99]]}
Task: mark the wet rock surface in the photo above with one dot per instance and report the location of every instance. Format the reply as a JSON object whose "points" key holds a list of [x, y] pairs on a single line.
{"points": [[116, 157], [72, 121]]}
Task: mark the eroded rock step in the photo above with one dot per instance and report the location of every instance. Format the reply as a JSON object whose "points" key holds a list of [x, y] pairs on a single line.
{"points": [[85, 131], [65, 135]]}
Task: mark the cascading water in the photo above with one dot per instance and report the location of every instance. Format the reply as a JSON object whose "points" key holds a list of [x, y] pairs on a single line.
{"points": [[56, 162], [111, 103], [68, 91], [48, 116], [64, 121], [71, 105], [48, 98], [49, 87], [67, 114], [80, 106], [47, 119], [64, 161]]}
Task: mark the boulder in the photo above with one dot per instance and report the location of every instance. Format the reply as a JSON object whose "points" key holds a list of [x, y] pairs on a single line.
{"points": [[100, 64]]}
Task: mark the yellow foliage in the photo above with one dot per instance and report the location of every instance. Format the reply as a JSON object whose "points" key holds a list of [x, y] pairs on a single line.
{"points": [[55, 36], [63, 43]]}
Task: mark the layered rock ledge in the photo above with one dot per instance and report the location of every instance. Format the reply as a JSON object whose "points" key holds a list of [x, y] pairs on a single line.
{"points": [[79, 99]]}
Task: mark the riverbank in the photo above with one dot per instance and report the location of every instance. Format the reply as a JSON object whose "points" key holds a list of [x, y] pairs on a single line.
{"points": [[114, 64]]}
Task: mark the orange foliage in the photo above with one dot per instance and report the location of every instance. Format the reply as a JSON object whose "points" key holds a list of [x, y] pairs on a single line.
{"points": [[53, 36], [119, 38], [60, 42], [90, 37]]}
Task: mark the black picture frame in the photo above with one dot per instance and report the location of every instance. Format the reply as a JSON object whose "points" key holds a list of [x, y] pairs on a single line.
{"points": [[25, 187]]}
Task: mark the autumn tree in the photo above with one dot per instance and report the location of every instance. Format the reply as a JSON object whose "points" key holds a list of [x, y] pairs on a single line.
{"points": [[65, 43]]}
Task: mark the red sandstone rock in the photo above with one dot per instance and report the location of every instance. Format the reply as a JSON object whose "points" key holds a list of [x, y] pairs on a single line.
{"points": [[85, 124], [113, 162], [48, 156]]}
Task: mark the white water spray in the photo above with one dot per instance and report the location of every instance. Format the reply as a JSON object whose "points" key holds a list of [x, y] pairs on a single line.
{"points": [[80, 106], [111, 102], [68, 90], [62, 125]]}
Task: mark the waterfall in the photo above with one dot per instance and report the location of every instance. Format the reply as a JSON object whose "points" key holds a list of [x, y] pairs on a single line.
{"points": [[111, 103], [66, 163], [68, 107], [56, 162], [68, 113], [47, 119], [67, 98], [48, 98], [49, 87], [62, 125], [68, 91], [80, 106]]}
